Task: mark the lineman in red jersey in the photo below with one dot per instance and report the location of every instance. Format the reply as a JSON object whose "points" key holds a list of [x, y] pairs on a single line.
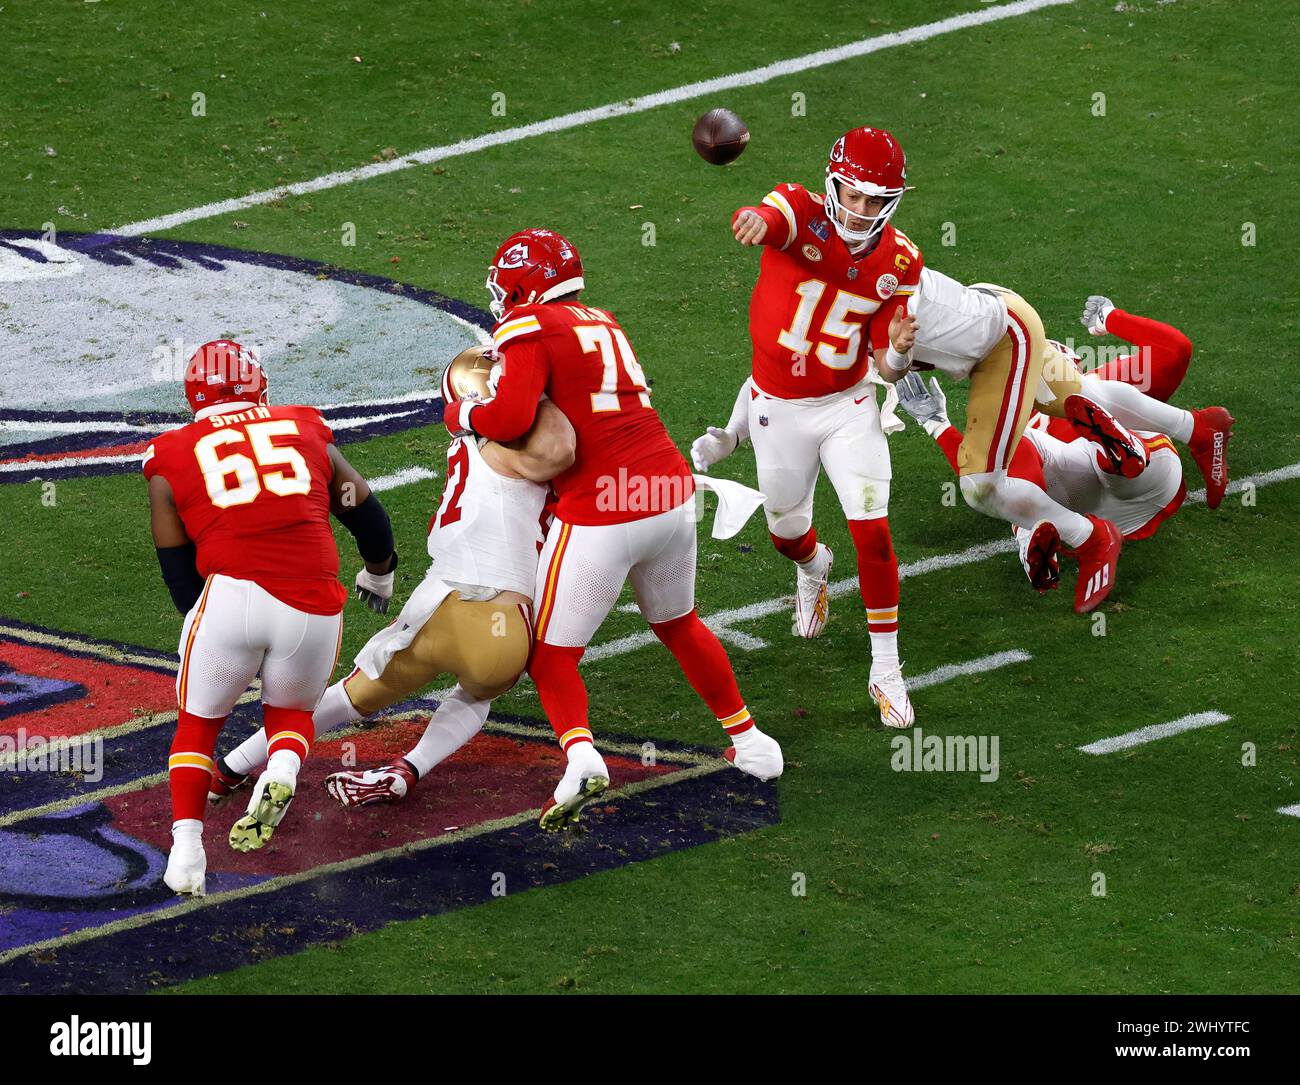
{"points": [[833, 284], [240, 501], [623, 510]]}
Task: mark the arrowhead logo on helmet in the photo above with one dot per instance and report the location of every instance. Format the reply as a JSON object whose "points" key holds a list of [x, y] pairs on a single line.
{"points": [[533, 266]]}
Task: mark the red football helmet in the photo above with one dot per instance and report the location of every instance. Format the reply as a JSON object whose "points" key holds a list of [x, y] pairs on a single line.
{"points": [[224, 372], [533, 266], [870, 161]]}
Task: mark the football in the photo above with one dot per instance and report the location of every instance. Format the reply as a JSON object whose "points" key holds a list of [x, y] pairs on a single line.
{"points": [[720, 136]]}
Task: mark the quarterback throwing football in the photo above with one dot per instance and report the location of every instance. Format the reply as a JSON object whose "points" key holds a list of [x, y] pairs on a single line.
{"points": [[833, 282], [240, 502]]}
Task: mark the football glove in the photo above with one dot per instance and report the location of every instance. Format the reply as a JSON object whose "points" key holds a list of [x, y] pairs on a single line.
{"points": [[712, 447], [929, 408], [1095, 311], [376, 589]]}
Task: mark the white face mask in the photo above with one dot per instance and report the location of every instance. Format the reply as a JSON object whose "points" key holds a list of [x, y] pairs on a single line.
{"points": [[836, 212]]}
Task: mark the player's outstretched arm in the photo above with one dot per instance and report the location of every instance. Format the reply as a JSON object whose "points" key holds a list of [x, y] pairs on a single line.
{"points": [[546, 450], [362, 513], [177, 556], [715, 445]]}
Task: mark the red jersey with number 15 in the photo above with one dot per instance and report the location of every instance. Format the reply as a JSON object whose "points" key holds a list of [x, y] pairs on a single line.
{"points": [[626, 465], [816, 310], [252, 486]]}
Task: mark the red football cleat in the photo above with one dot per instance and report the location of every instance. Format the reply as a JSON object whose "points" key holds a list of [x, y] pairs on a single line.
{"points": [[1211, 429], [1040, 558], [1119, 452], [224, 782], [392, 783], [1098, 561]]}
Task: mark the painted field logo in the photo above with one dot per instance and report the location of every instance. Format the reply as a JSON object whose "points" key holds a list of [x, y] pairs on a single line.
{"points": [[82, 906], [95, 331]]}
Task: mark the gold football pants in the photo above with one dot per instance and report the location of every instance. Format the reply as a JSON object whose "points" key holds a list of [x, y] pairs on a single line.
{"points": [[484, 643], [1004, 388]]}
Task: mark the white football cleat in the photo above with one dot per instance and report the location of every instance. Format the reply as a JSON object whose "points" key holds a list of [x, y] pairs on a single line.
{"points": [[890, 693], [266, 809], [187, 865], [388, 784], [585, 779], [812, 597], [1095, 311], [756, 754]]}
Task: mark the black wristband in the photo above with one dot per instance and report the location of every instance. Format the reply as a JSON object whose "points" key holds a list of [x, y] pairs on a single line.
{"points": [[180, 573], [368, 524]]}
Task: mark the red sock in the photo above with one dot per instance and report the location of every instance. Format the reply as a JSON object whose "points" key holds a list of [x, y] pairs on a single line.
{"points": [[950, 441], [1161, 364], [190, 765], [878, 582], [554, 671], [703, 660], [288, 729], [1027, 463], [800, 549]]}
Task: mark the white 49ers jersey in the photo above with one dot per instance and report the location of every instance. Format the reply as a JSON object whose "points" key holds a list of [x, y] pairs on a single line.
{"points": [[488, 528], [957, 326]]}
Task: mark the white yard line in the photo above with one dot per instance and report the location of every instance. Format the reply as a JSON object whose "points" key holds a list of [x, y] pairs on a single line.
{"points": [[1156, 731], [950, 671], [1292, 811], [404, 477], [622, 108]]}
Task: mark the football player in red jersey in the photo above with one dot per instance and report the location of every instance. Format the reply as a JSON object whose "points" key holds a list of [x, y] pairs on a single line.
{"points": [[240, 502], [624, 510], [833, 284]]}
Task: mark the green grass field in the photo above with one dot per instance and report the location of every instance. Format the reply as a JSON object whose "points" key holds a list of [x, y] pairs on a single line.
{"points": [[929, 882]]}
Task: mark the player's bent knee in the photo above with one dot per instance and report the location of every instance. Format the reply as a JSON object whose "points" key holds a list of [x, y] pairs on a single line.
{"points": [[981, 492], [368, 695]]}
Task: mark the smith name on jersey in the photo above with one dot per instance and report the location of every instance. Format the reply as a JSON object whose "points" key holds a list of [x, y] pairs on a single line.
{"points": [[252, 487]]}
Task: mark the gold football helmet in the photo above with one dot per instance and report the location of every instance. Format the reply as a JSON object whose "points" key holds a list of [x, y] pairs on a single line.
{"points": [[467, 374]]}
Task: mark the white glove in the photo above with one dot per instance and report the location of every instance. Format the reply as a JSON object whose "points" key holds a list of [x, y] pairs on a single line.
{"points": [[930, 408], [712, 447], [374, 589]]}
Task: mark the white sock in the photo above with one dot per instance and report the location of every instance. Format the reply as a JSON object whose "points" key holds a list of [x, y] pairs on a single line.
{"points": [[884, 651], [458, 719], [284, 763], [816, 565], [187, 827], [1020, 502], [1134, 408], [334, 710]]}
